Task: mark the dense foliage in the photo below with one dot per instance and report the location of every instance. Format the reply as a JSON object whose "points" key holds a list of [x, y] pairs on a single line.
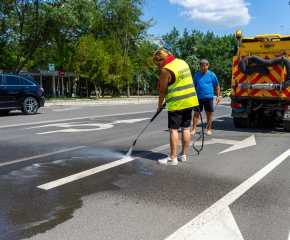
{"points": [[105, 41], [194, 46]]}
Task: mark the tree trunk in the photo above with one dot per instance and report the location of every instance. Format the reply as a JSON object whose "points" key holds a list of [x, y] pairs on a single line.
{"points": [[100, 90], [128, 89], [104, 88], [97, 92]]}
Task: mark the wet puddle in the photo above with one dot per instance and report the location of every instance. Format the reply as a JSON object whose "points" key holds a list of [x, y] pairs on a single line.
{"points": [[27, 210]]}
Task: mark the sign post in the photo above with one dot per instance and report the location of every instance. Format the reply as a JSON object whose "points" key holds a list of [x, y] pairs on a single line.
{"points": [[51, 66], [138, 80], [61, 73]]}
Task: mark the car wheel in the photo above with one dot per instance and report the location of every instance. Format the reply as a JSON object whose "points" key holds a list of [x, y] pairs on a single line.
{"points": [[29, 106], [4, 112]]}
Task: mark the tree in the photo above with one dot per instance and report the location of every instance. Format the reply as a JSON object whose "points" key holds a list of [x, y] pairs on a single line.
{"points": [[120, 20], [31, 23], [188, 45], [170, 41], [90, 60], [219, 52]]}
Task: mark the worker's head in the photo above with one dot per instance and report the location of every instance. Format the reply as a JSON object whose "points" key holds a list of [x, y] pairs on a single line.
{"points": [[204, 65], [160, 56]]}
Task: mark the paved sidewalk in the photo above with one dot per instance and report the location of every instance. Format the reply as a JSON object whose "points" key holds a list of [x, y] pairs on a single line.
{"points": [[113, 101], [100, 102]]}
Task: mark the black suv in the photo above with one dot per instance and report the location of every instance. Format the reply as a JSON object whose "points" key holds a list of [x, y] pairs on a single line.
{"points": [[20, 92]]}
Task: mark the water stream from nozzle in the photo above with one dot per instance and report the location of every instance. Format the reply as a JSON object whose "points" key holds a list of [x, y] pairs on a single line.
{"points": [[129, 152]]}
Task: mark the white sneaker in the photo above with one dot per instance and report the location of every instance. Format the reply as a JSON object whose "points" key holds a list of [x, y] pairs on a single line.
{"points": [[192, 132], [181, 158], [208, 132], [168, 161]]}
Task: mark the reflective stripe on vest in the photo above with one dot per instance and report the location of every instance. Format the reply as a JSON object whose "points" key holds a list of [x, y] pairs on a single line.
{"points": [[181, 97], [180, 88]]}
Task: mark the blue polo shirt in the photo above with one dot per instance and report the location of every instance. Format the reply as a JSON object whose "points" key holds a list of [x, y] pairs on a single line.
{"points": [[204, 84]]}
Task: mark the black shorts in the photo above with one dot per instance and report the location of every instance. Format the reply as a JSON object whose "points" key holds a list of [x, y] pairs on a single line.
{"points": [[179, 119], [207, 103]]}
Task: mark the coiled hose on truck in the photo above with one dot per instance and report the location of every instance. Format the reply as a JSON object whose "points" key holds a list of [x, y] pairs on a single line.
{"points": [[262, 68]]}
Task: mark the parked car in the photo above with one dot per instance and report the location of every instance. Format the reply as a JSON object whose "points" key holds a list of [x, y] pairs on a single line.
{"points": [[227, 92], [18, 92]]}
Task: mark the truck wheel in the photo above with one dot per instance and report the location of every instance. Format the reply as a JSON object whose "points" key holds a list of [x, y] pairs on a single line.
{"points": [[246, 123], [237, 122], [286, 126]]}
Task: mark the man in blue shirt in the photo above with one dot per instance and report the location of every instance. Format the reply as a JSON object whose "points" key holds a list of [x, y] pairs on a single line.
{"points": [[204, 82]]}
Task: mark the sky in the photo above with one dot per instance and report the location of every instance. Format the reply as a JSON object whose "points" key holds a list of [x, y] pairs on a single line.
{"points": [[222, 17]]}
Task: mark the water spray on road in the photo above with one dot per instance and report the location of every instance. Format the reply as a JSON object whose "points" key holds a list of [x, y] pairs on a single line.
{"points": [[152, 119]]}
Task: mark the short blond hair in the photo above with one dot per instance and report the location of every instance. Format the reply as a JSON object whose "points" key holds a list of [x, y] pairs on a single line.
{"points": [[161, 53]]}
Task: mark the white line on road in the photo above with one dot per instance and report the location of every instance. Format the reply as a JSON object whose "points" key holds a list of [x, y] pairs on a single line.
{"points": [[89, 172], [64, 109], [191, 227], [92, 171], [69, 119], [248, 142], [41, 155]]}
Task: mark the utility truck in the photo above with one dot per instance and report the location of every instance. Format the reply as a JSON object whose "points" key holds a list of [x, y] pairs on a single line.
{"points": [[261, 80]]}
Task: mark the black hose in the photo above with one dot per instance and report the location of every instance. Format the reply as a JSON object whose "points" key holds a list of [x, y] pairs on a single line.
{"points": [[201, 135], [262, 68]]}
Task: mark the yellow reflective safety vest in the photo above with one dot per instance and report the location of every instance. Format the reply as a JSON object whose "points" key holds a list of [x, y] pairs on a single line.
{"points": [[181, 94]]}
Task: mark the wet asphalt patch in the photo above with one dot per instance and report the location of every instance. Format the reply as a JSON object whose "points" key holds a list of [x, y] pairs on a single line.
{"points": [[27, 210]]}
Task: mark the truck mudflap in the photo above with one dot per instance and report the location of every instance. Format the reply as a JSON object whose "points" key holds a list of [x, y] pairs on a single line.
{"points": [[286, 115], [240, 114]]}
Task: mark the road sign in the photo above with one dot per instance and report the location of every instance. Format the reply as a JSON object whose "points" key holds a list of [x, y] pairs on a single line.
{"points": [[138, 77], [61, 73], [51, 66]]}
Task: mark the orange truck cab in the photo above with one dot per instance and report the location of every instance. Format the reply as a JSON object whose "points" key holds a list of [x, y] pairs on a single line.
{"points": [[261, 80]]}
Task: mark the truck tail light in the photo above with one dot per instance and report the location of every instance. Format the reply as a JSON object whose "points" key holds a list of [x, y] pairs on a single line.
{"points": [[41, 89], [287, 107], [237, 105]]}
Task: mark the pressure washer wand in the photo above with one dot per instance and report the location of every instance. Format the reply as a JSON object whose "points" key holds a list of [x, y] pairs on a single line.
{"points": [[152, 119]]}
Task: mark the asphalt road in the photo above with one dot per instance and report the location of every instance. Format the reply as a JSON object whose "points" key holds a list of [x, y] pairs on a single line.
{"points": [[64, 175]]}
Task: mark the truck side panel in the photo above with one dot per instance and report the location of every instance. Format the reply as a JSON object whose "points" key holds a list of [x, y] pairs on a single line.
{"points": [[277, 75]]}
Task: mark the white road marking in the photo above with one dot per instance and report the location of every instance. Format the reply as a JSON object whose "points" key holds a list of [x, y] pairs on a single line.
{"points": [[83, 174], [131, 120], [214, 118], [64, 109], [70, 119], [187, 231], [248, 142], [41, 155], [222, 227], [92, 171], [100, 126], [58, 125], [226, 115], [218, 120]]}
